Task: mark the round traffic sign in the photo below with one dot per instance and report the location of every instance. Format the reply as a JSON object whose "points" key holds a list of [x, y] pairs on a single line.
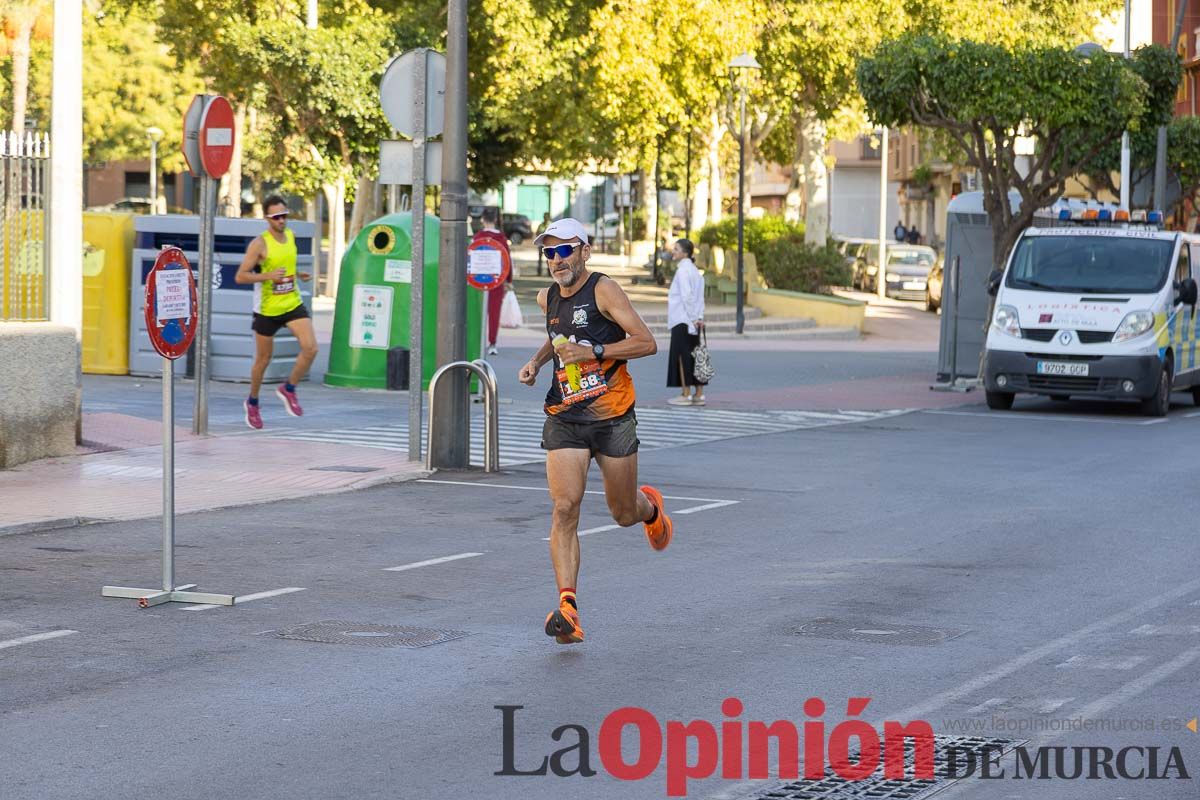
{"points": [[171, 307], [488, 263], [216, 136], [398, 96]]}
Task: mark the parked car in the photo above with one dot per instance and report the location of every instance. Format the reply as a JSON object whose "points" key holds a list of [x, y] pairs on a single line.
{"points": [[907, 273], [516, 227], [603, 228], [852, 250], [933, 287]]}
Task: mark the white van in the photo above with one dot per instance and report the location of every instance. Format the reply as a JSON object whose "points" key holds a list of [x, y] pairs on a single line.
{"points": [[1092, 311]]}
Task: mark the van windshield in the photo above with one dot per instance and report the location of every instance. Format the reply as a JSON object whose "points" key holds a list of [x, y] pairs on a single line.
{"points": [[1090, 264]]}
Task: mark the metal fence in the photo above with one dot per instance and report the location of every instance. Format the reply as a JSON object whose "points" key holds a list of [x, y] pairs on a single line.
{"points": [[24, 222]]}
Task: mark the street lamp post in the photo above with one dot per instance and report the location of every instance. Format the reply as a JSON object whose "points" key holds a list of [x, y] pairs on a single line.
{"points": [[743, 62], [155, 134]]}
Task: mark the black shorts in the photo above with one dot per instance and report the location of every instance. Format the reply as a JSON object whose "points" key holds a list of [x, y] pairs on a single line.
{"points": [[616, 437], [269, 326]]}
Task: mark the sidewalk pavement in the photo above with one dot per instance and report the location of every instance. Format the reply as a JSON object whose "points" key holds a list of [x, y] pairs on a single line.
{"points": [[117, 474]]}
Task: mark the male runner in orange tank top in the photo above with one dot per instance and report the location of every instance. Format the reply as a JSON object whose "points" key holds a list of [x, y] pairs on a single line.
{"points": [[589, 408]]}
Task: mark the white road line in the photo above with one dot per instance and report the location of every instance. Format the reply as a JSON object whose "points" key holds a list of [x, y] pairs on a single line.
{"points": [[431, 562], [1019, 415], [35, 637], [246, 598], [1134, 687], [1049, 706], [692, 510], [717, 504], [920, 710], [1101, 662], [544, 490], [986, 704], [600, 529]]}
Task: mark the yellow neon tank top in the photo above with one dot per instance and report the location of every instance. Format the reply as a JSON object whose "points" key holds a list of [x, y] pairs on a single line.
{"points": [[273, 298]]}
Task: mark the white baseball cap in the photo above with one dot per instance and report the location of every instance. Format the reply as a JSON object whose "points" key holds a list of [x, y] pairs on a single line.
{"points": [[565, 229]]}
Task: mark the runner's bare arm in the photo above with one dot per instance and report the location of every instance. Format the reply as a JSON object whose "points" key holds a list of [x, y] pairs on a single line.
{"points": [[528, 373], [254, 255], [614, 304]]}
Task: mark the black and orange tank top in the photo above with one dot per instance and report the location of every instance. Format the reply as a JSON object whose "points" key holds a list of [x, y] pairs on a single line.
{"points": [[601, 389]]}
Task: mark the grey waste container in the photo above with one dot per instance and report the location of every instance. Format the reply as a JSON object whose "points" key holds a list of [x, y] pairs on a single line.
{"points": [[232, 304]]}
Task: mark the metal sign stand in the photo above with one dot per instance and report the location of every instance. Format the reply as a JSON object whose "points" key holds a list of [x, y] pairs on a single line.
{"points": [[170, 593]]}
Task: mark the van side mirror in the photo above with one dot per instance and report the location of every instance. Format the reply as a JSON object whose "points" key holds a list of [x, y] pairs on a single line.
{"points": [[993, 282], [1188, 291]]}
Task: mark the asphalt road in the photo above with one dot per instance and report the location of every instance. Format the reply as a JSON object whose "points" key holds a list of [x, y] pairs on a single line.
{"points": [[962, 567]]}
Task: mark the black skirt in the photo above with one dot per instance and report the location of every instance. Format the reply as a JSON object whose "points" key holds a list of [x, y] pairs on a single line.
{"points": [[680, 364]]}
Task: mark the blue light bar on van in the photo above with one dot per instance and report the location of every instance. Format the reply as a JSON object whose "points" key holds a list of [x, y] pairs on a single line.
{"points": [[1154, 217], [1105, 215], [1064, 214]]}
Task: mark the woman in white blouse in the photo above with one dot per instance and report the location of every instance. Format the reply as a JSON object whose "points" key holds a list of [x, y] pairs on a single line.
{"points": [[685, 318]]}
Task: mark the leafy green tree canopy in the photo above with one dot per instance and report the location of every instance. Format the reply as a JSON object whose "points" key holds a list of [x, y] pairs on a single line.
{"points": [[985, 97]]}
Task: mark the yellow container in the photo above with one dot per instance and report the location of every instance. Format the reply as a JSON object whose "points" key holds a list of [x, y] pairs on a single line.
{"points": [[107, 254]]}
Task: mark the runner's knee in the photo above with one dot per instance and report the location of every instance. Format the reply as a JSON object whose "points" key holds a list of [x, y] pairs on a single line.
{"points": [[309, 350], [566, 508]]}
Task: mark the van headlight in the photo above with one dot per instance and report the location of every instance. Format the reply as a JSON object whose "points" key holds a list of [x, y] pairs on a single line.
{"points": [[1134, 325], [892, 277], [1007, 321]]}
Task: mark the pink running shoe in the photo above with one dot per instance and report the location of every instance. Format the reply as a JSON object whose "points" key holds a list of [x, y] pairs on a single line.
{"points": [[253, 415], [289, 401]]}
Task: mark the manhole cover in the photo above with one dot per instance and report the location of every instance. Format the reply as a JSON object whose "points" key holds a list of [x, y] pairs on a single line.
{"points": [[344, 469], [877, 787], [369, 634], [876, 632]]}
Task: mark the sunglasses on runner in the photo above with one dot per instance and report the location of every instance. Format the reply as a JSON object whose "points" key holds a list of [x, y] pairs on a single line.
{"points": [[560, 250], [283, 215]]}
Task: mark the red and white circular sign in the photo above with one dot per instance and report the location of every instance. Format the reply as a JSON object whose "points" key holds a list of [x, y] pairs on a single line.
{"points": [[171, 306], [216, 136]]}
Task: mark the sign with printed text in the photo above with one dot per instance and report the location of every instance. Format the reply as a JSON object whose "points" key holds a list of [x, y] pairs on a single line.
{"points": [[171, 306], [396, 270], [488, 266], [172, 295], [371, 317]]}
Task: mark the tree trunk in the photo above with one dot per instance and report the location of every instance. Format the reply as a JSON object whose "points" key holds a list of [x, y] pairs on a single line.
{"points": [[647, 181], [793, 202], [700, 199], [364, 196], [816, 181], [716, 133], [20, 66], [335, 198], [256, 208]]}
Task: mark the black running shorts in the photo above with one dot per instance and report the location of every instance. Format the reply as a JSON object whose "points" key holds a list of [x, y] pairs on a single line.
{"points": [[616, 437], [269, 326]]}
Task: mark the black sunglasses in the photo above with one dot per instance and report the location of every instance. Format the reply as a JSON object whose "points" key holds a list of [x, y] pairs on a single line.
{"points": [[560, 250]]}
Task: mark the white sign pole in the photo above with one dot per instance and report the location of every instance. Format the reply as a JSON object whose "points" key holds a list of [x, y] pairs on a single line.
{"points": [[168, 416]]}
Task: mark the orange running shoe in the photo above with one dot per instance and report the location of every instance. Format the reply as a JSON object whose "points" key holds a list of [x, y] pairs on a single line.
{"points": [[659, 532], [563, 624]]}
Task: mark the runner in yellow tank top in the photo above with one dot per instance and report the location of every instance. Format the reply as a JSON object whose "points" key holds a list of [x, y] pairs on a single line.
{"points": [[270, 266]]}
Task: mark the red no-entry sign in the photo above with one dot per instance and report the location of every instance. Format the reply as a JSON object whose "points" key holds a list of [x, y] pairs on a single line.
{"points": [[216, 136], [171, 304]]}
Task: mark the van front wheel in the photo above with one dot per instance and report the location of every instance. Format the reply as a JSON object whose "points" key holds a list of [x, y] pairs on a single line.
{"points": [[1159, 403], [999, 401]]}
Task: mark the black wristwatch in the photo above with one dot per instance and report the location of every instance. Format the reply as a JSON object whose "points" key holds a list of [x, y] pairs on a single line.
{"points": [[598, 351]]}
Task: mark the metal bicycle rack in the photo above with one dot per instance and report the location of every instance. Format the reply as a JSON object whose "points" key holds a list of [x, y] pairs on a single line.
{"points": [[491, 429]]}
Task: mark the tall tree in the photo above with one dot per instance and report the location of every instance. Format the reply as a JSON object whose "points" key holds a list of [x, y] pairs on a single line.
{"points": [[21, 18], [985, 96]]}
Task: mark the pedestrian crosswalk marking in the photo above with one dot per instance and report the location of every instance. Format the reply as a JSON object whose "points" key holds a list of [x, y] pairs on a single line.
{"points": [[521, 430]]}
